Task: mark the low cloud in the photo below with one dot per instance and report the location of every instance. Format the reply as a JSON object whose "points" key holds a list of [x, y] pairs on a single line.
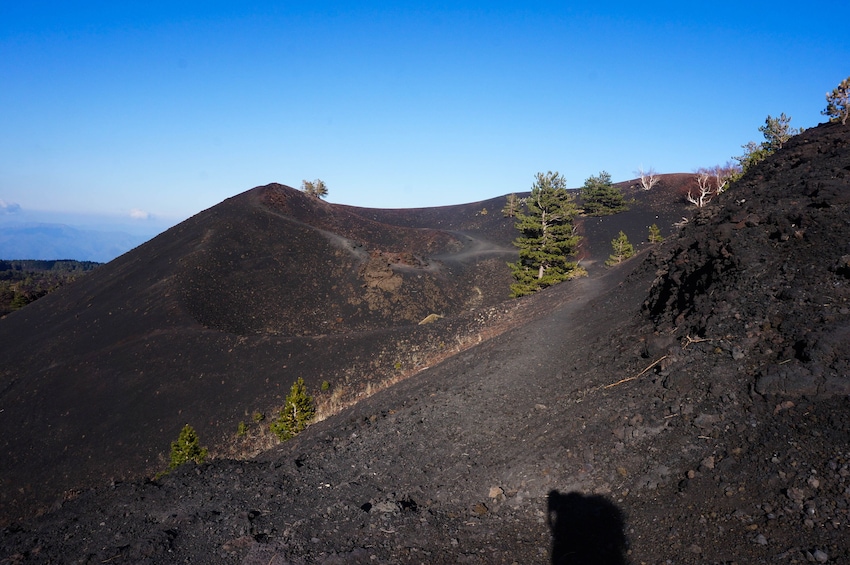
{"points": [[137, 214], [9, 207]]}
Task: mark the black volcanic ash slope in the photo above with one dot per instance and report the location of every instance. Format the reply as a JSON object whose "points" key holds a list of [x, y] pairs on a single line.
{"points": [[691, 411], [213, 320], [768, 270]]}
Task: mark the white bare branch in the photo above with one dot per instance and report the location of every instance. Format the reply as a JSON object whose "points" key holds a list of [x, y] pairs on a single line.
{"points": [[704, 191], [648, 178], [722, 174]]}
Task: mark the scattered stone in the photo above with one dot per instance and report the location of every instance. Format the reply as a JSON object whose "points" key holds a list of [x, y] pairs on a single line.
{"points": [[842, 267], [705, 421], [238, 543], [385, 507], [785, 405], [791, 379], [496, 493], [820, 556], [796, 494]]}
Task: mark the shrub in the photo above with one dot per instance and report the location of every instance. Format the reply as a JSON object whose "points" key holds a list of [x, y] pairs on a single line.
{"points": [[241, 429]]}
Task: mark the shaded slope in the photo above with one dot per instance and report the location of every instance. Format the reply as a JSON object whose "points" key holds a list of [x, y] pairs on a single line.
{"points": [[205, 323], [769, 269]]}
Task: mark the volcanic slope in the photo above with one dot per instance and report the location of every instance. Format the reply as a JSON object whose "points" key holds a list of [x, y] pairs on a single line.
{"points": [[688, 407], [212, 321]]}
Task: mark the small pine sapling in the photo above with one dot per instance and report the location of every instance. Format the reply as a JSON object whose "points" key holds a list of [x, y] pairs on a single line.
{"points": [[622, 250], [187, 448], [296, 413], [655, 234], [512, 204]]}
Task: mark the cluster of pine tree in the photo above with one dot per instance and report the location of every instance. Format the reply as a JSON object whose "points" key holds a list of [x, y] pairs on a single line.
{"points": [[548, 240]]}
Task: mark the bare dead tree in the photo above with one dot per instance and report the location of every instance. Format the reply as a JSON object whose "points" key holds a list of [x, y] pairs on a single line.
{"points": [[648, 178], [723, 174], [705, 192]]}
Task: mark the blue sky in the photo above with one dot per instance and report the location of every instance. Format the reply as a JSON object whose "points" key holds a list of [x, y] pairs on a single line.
{"points": [[150, 112]]}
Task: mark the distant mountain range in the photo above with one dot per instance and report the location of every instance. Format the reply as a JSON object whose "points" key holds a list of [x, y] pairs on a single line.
{"points": [[43, 241]]}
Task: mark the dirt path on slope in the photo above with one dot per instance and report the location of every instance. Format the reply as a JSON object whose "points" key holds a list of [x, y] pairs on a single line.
{"points": [[404, 476]]}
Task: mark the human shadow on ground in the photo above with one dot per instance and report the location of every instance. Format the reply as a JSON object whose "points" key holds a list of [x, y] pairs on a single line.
{"points": [[586, 530]]}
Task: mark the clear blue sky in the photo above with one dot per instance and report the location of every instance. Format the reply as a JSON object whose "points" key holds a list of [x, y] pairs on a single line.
{"points": [[162, 109]]}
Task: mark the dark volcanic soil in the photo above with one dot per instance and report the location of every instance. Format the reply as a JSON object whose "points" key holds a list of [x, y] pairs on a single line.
{"points": [[212, 321], [691, 406]]}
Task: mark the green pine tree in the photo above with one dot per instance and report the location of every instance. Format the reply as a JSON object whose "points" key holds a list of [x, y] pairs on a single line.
{"points": [[838, 103], [316, 188], [655, 234], [512, 204], [600, 197], [622, 250], [548, 238], [296, 413], [776, 132], [187, 448]]}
